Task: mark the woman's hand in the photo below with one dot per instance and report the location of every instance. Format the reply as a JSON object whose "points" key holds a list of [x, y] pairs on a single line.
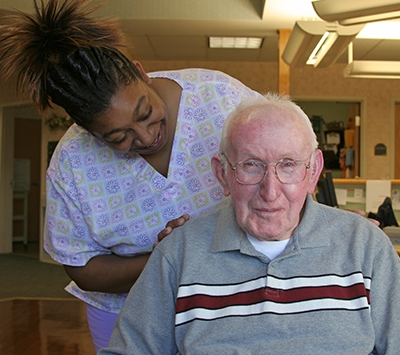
{"points": [[180, 221]]}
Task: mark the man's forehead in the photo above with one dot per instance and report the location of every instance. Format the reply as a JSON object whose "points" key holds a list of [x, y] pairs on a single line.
{"points": [[269, 119]]}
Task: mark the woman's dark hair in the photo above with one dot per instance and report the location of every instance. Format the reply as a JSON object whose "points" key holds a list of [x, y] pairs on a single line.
{"points": [[63, 56]]}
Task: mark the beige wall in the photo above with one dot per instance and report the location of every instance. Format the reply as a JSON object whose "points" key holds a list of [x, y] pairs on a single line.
{"points": [[8, 93], [259, 76], [377, 110], [377, 96]]}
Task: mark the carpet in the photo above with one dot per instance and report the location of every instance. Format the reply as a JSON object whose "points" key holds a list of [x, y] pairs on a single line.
{"points": [[27, 277]]}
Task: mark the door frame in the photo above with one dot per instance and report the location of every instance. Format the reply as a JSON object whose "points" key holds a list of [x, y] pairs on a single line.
{"points": [[7, 117], [362, 101]]}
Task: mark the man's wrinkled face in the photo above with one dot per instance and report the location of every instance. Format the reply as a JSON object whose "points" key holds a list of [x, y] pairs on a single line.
{"points": [[270, 210]]}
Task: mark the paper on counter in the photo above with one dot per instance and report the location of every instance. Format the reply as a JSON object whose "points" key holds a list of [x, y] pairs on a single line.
{"points": [[376, 192], [396, 200], [358, 193], [341, 196]]}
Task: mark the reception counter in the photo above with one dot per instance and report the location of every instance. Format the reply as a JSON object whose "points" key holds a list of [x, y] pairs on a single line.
{"points": [[351, 184], [356, 185], [359, 181]]}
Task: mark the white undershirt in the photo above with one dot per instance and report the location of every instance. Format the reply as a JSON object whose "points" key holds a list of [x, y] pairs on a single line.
{"points": [[269, 248]]}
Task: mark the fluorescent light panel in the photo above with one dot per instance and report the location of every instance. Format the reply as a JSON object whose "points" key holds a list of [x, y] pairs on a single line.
{"points": [[370, 69], [350, 12], [373, 69], [368, 19], [235, 42], [381, 30], [322, 41], [322, 48]]}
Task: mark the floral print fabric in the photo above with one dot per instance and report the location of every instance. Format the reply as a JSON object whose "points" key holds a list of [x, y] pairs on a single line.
{"points": [[100, 201]]}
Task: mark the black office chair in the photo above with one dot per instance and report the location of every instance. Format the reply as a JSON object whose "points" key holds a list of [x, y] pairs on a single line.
{"points": [[326, 191]]}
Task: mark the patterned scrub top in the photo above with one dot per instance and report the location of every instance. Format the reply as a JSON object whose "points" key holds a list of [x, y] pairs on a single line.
{"points": [[100, 201]]}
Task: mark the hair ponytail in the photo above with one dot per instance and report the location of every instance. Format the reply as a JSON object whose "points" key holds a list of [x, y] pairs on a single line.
{"points": [[62, 55]]}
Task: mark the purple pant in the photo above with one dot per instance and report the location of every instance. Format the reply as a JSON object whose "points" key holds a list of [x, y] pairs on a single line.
{"points": [[101, 325]]}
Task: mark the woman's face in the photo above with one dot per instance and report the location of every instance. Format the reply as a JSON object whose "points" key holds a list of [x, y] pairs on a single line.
{"points": [[135, 122]]}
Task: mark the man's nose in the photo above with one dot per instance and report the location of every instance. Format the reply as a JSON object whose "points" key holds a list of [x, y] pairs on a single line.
{"points": [[270, 184]]}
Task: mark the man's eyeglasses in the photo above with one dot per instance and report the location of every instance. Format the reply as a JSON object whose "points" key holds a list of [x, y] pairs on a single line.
{"points": [[252, 172]]}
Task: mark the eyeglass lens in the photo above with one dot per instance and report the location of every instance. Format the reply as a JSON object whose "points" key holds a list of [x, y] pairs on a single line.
{"points": [[253, 172]]}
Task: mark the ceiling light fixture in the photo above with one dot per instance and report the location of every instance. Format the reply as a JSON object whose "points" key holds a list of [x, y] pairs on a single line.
{"points": [[317, 43], [371, 69], [381, 30], [323, 46], [351, 12], [235, 42]]}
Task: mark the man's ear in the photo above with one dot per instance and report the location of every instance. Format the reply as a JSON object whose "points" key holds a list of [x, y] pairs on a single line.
{"points": [[142, 72], [219, 172], [316, 169]]}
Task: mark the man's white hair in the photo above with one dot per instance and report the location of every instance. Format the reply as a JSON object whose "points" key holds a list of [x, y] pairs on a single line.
{"points": [[251, 107]]}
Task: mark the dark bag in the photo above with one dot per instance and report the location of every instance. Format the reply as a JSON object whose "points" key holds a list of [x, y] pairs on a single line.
{"points": [[385, 214]]}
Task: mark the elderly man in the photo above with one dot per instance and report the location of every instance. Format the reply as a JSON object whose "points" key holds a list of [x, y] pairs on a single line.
{"points": [[272, 271]]}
